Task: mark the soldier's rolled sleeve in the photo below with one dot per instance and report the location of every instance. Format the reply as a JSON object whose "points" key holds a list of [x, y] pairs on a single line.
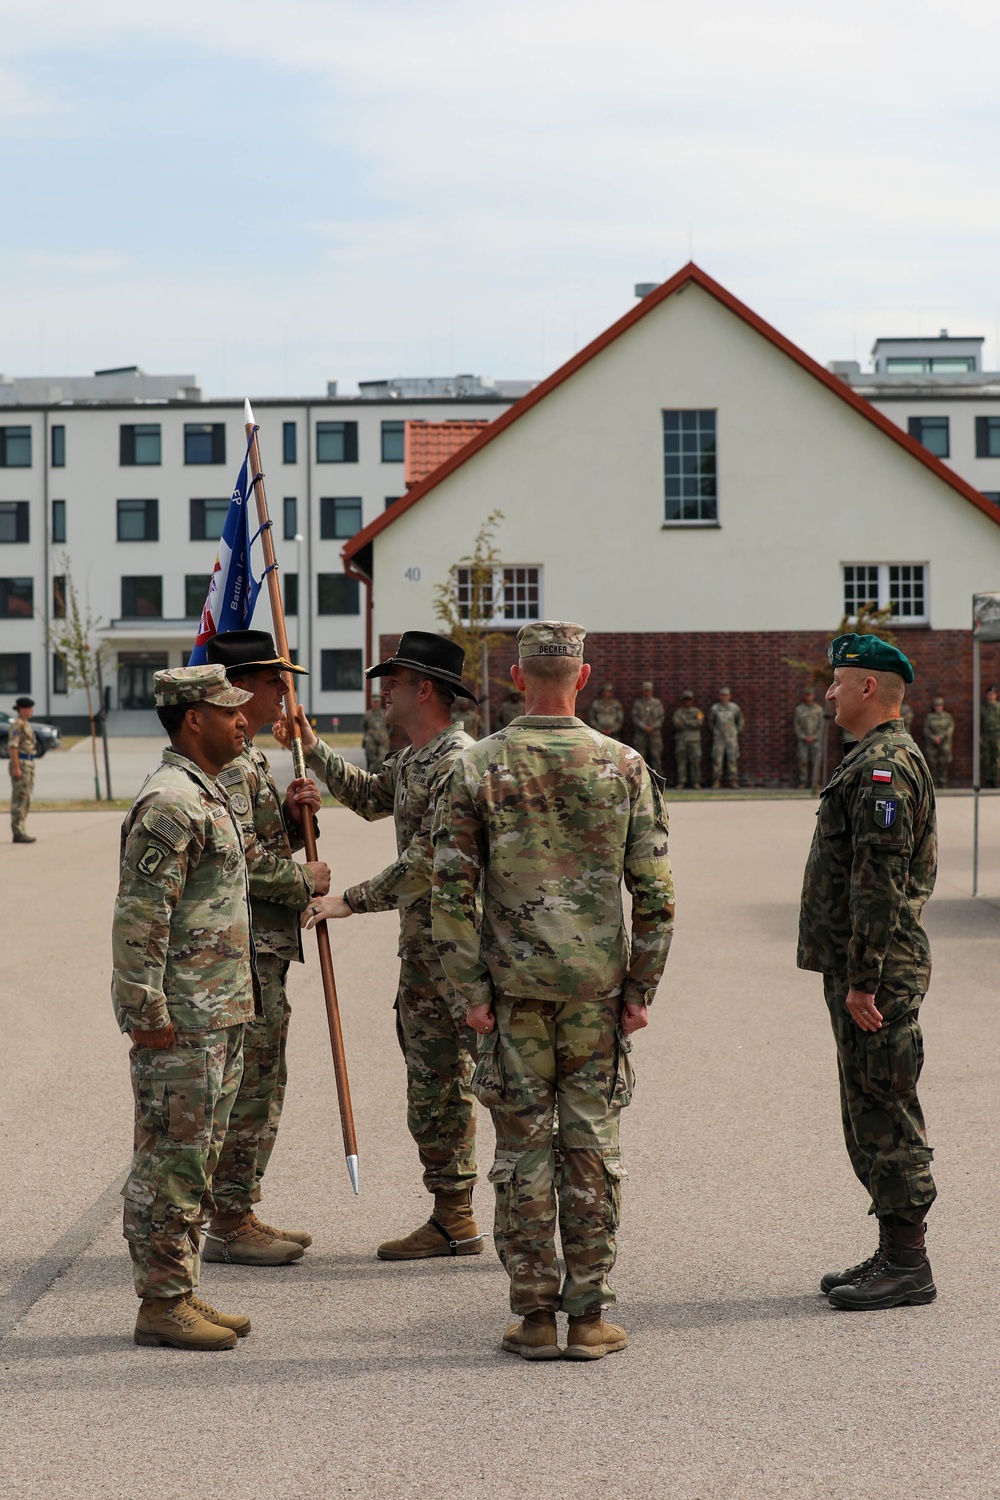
{"points": [[408, 878], [878, 882], [459, 858], [649, 880], [285, 881], [152, 880], [369, 793]]}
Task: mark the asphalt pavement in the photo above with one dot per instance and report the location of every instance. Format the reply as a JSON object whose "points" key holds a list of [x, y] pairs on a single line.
{"points": [[385, 1380]]}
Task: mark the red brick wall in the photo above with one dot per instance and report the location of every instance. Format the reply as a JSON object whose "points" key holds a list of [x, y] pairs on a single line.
{"points": [[755, 665]]}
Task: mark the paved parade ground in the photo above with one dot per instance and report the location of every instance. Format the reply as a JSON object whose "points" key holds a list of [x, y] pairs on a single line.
{"points": [[385, 1380]]}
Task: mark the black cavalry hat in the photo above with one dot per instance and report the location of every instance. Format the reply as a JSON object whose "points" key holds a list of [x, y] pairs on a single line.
{"points": [[248, 649], [433, 655]]}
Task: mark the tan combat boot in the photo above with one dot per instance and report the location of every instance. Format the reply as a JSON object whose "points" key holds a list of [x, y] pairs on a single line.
{"points": [[297, 1236], [239, 1324], [239, 1240], [177, 1322], [533, 1337], [450, 1230], [590, 1337]]}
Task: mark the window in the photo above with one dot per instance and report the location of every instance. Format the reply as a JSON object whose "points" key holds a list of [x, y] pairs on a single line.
{"points": [[59, 520], [393, 437], [59, 447], [204, 443], [195, 594], [950, 364], [336, 594], [391, 500], [689, 466], [339, 517], [59, 684], [207, 519], [901, 587], [59, 597], [932, 433], [336, 442], [142, 598], [340, 671], [15, 672], [291, 517], [14, 522], [988, 437], [289, 443], [509, 595], [292, 594], [139, 444], [993, 495], [138, 520], [15, 447], [17, 598]]}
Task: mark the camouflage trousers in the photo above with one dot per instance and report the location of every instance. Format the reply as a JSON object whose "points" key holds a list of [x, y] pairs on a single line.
{"points": [[556, 1075], [688, 753], [809, 756], [253, 1122], [649, 743], [883, 1122], [440, 1104], [21, 791], [989, 760], [725, 759], [182, 1101], [938, 763]]}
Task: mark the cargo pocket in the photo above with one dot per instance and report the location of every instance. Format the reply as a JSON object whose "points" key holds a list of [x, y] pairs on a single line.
{"points": [[172, 1096], [139, 1198], [623, 1077], [487, 1080], [615, 1175], [502, 1178]]}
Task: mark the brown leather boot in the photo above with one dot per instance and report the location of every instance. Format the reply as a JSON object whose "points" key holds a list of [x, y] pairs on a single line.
{"points": [[450, 1230], [175, 1321], [533, 1337], [297, 1236], [238, 1240], [590, 1337], [239, 1324], [900, 1273]]}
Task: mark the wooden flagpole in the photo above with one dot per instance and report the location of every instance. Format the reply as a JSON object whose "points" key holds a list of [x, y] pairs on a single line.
{"points": [[308, 831]]}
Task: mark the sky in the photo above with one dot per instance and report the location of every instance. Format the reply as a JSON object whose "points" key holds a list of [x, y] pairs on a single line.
{"points": [[271, 196]]}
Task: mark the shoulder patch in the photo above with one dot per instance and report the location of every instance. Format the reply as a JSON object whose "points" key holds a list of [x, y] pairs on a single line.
{"points": [[231, 776], [173, 834], [240, 804], [884, 811], [152, 859]]}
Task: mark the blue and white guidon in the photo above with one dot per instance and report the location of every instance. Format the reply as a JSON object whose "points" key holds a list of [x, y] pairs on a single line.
{"points": [[233, 590]]}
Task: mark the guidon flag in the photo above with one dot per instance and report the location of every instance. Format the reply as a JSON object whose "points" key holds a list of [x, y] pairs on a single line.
{"points": [[232, 590]]}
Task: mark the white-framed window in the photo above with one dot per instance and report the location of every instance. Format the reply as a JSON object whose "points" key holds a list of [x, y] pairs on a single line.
{"points": [[511, 595], [901, 587]]}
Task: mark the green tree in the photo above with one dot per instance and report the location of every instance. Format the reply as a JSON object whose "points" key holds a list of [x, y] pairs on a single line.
{"points": [[869, 620], [75, 640], [468, 602]]}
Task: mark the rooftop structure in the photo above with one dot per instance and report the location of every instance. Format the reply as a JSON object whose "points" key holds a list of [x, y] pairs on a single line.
{"points": [[410, 387], [124, 383]]}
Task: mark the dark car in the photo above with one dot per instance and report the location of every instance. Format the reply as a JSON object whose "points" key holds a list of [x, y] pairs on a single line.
{"points": [[47, 735]]}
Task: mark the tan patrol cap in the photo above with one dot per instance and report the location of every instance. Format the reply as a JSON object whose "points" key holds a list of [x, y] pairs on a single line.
{"points": [[687, 693], [647, 687], [207, 684], [550, 638]]}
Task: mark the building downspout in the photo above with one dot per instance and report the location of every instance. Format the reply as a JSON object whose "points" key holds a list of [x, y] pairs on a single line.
{"points": [[352, 570], [47, 519]]}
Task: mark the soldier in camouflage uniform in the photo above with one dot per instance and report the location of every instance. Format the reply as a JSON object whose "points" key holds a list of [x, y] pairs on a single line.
{"points": [[906, 714], [725, 719], [511, 708], [870, 870], [939, 730], [989, 738], [538, 827], [22, 748], [687, 741], [647, 724], [809, 738], [606, 713], [375, 736], [280, 888], [183, 987], [418, 685]]}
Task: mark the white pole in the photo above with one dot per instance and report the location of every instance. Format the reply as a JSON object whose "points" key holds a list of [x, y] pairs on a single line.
{"points": [[976, 695]]}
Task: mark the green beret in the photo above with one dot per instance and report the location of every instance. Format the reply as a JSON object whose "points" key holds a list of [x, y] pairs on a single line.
{"points": [[870, 653]]}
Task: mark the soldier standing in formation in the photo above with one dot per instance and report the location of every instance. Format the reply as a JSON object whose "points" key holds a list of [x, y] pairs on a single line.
{"points": [[939, 730], [647, 722], [374, 736], [906, 714], [606, 713], [280, 888], [22, 748], [419, 684], [725, 719], [549, 979], [511, 708], [183, 988], [809, 719], [688, 721], [989, 738], [870, 870]]}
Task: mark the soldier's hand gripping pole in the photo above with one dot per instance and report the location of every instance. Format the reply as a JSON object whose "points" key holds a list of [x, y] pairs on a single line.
{"points": [[308, 831]]}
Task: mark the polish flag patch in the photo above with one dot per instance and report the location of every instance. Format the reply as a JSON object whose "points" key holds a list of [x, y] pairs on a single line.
{"points": [[883, 776]]}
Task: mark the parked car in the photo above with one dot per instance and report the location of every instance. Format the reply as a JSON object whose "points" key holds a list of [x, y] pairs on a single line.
{"points": [[47, 735]]}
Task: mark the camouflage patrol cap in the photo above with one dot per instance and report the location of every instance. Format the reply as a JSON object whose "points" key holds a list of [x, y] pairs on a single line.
{"points": [[687, 693], [870, 653], [188, 685], [550, 638], [647, 687]]}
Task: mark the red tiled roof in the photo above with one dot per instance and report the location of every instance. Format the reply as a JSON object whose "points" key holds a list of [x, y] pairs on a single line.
{"points": [[428, 444], [682, 278]]}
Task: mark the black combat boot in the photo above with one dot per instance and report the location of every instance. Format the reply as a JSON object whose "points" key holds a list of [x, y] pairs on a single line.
{"points": [[842, 1278], [900, 1273]]}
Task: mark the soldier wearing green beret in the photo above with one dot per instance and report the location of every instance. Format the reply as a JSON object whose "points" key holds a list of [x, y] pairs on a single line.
{"points": [[870, 870]]}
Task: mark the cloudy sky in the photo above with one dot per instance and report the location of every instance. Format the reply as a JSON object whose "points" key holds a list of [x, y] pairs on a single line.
{"points": [[272, 195]]}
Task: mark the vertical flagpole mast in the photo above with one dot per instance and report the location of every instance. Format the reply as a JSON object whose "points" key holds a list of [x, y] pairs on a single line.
{"points": [[308, 832]]}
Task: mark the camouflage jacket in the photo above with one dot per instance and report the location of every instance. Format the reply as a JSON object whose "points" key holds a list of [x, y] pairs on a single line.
{"points": [[808, 720], [181, 945], [540, 823], [939, 726], [280, 886], [725, 721], [989, 721], [688, 722], [871, 868], [607, 715], [21, 737], [407, 786], [647, 714], [374, 730]]}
